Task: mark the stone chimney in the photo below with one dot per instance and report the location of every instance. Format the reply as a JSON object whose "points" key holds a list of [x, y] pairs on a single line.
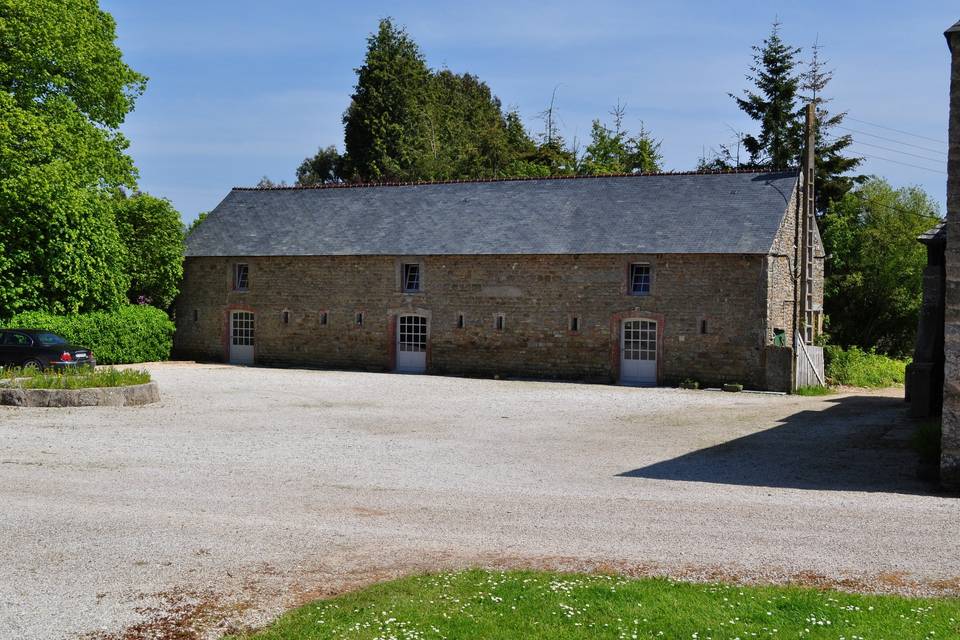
{"points": [[950, 456]]}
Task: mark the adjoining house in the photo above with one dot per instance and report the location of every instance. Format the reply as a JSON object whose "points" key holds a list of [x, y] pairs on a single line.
{"points": [[645, 279]]}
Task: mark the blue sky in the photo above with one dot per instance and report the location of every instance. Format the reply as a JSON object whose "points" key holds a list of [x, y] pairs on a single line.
{"points": [[241, 89]]}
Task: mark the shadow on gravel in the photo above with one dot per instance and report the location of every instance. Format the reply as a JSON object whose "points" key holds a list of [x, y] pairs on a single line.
{"points": [[860, 443]]}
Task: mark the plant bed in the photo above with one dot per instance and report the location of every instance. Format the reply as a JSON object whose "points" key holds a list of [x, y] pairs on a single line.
{"points": [[535, 605], [733, 388], [689, 384], [77, 388]]}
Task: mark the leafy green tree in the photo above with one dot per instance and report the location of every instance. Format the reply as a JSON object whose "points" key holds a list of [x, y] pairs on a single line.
{"points": [[196, 223], [64, 91], [616, 151], [774, 105], [384, 122], [875, 272], [152, 231], [324, 167], [832, 166]]}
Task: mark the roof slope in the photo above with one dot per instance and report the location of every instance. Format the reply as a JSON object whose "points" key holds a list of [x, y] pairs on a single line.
{"points": [[679, 213]]}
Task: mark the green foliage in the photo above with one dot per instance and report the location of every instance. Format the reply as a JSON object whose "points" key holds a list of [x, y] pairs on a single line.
{"points": [[132, 333], [616, 151], [384, 122], [813, 391], [565, 606], [65, 90], [407, 122], [774, 105], [831, 166], [857, 368], [196, 223], [874, 277], [153, 233], [324, 167], [63, 50], [79, 378]]}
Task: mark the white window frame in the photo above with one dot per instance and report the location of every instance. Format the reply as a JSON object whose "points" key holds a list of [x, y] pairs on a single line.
{"points": [[236, 276], [404, 266], [631, 280]]}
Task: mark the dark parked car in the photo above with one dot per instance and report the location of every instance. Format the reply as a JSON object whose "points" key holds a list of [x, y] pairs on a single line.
{"points": [[38, 349]]}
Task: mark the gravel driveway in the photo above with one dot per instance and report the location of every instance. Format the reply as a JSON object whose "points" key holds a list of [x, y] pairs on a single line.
{"points": [[247, 490]]}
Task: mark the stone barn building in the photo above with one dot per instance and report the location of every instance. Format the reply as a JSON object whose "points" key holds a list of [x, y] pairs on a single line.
{"points": [[647, 279]]}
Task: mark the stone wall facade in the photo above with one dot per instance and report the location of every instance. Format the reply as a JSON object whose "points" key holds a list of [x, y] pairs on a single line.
{"points": [[715, 313], [950, 456]]}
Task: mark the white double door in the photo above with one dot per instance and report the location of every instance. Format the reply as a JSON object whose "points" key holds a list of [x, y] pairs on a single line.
{"points": [[638, 352], [412, 344]]}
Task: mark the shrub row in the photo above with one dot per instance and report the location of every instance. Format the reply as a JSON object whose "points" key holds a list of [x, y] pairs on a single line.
{"points": [[134, 333], [858, 368]]}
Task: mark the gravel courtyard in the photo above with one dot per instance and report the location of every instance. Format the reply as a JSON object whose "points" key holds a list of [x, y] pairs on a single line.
{"points": [[248, 490]]}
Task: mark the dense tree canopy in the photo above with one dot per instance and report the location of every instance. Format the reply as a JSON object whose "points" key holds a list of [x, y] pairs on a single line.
{"points": [[408, 122], [64, 90], [153, 236], [875, 269], [383, 126], [616, 151]]}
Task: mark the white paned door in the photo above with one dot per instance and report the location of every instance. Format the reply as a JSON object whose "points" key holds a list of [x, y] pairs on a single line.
{"points": [[638, 352], [411, 344], [241, 337]]}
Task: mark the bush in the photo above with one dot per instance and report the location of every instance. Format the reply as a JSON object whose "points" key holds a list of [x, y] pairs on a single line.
{"points": [[857, 368], [134, 333]]}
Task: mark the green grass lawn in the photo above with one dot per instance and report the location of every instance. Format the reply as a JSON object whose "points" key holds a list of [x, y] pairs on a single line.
{"points": [[527, 605]]}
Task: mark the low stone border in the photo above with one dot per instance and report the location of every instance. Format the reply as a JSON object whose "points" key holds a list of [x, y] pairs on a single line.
{"points": [[133, 395]]}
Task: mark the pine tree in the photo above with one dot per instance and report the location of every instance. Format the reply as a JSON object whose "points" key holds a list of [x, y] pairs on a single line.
{"points": [[831, 185], [780, 141], [616, 151]]}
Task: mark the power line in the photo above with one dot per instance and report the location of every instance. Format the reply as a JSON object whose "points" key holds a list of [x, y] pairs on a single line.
{"points": [[901, 210], [906, 133], [906, 144], [905, 153], [906, 164]]}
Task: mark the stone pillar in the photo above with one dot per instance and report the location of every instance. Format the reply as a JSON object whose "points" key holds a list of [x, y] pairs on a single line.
{"points": [[950, 456]]}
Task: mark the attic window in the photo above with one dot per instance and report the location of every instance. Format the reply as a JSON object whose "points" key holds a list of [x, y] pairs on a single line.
{"points": [[639, 279], [575, 323], [411, 277], [241, 276]]}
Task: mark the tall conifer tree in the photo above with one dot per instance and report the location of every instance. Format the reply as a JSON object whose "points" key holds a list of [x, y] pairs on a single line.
{"points": [[774, 105]]}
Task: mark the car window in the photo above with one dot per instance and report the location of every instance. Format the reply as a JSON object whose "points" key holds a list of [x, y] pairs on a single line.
{"points": [[17, 339], [49, 339]]}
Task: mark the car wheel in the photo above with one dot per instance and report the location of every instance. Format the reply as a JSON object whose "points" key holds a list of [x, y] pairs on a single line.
{"points": [[32, 365]]}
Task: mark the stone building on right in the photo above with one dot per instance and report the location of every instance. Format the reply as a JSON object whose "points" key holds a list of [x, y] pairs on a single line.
{"points": [[950, 454]]}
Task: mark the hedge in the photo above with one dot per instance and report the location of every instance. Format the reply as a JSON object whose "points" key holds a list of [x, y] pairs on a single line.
{"points": [[134, 333]]}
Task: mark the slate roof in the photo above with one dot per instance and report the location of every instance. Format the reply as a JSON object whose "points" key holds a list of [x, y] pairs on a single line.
{"points": [[662, 213], [936, 235]]}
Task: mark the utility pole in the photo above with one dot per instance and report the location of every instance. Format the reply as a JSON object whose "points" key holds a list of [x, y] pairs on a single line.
{"points": [[808, 227]]}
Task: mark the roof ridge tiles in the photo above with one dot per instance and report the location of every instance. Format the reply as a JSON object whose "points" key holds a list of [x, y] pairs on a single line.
{"points": [[414, 183]]}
